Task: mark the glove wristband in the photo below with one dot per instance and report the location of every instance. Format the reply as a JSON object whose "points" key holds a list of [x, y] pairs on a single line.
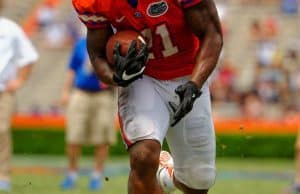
{"points": [[197, 91]]}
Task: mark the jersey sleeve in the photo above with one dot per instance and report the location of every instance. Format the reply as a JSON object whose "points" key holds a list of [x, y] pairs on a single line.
{"points": [[89, 14], [188, 3], [25, 51]]}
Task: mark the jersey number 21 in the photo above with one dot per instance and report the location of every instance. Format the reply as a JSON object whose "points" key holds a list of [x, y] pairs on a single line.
{"points": [[162, 31]]}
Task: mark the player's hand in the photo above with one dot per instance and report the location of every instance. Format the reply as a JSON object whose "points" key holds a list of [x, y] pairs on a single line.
{"points": [[132, 66], [187, 93]]}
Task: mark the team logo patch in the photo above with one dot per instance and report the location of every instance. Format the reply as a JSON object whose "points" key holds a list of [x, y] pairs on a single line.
{"points": [[157, 9]]}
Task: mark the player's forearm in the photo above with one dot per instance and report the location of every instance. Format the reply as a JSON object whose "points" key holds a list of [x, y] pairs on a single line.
{"points": [[101, 66], [204, 21], [207, 58], [103, 71], [96, 45]]}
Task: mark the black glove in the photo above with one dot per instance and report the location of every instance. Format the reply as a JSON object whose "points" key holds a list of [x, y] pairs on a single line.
{"points": [[187, 93], [132, 66]]}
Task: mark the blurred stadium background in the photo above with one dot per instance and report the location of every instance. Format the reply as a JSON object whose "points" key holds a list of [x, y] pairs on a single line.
{"points": [[255, 93]]}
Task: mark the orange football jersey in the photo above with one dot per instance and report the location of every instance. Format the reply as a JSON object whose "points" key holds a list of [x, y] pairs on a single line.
{"points": [[172, 45]]}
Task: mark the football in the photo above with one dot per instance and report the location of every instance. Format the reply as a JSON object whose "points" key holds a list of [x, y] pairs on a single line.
{"points": [[124, 38]]}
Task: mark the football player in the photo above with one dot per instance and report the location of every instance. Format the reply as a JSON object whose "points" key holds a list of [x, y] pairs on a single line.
{"points": [[172, 99]]}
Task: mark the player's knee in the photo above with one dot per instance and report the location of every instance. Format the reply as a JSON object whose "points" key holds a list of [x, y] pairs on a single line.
{"points": [[201, 178], [144, 159]]}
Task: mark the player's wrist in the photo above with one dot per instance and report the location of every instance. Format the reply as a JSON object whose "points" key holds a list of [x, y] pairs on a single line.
{"points": [[119, 81], [196, 83], [130, 67], [195, 87], [124, 83]]}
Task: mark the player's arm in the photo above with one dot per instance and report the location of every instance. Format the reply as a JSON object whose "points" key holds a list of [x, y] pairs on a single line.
{"points": [[96, 46], [133, 64], [204, 21], [126, 68]]}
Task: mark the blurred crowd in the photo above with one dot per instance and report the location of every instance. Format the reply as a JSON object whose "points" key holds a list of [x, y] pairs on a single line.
{"points": [[58, 30], [274, 89]]}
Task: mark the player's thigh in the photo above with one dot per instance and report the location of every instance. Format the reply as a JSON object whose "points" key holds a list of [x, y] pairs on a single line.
{"points": [[143, 113], [6, 109], [192, 144], [102, 121], [78, 113]]}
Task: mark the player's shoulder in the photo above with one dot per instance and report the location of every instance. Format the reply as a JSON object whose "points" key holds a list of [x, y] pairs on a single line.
{"points": [[93, 12], [91, 6], [82, 6]]}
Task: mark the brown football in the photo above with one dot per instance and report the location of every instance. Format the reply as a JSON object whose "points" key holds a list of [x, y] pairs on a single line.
{"points": [[124, 38]]}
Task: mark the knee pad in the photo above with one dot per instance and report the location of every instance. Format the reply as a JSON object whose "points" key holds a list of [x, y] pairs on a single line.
{"points": [[197, 176], [202, 177]]}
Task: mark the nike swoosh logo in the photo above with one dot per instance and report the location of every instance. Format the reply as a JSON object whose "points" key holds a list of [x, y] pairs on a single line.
{"points": [[127, 77], [120, 19]]}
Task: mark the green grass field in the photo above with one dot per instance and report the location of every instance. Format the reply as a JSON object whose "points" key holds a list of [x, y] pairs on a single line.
{"points": [[42, 175]]}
